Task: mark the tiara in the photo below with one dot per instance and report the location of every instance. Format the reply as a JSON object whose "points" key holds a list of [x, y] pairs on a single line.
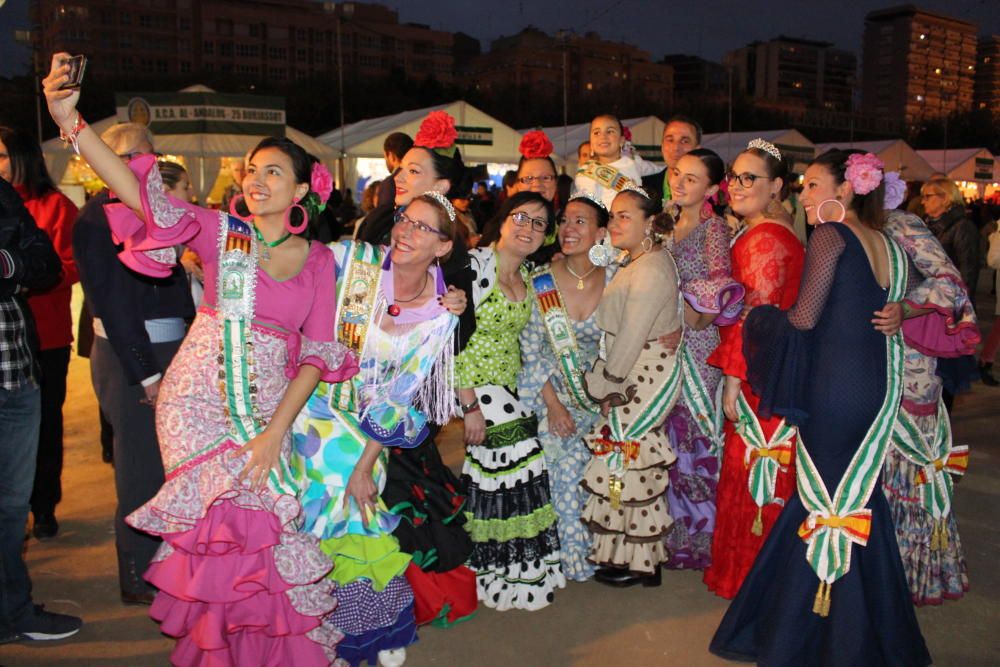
{"points": [[441, 199], [589, 197], [766, 146], [635, 188]]}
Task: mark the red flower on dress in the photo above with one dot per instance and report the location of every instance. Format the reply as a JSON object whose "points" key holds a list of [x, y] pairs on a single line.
{"points": [[535, 144], [436, 131], [417, 492]]}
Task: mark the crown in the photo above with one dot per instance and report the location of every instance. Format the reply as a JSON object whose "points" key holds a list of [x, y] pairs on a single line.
{"points": [[589, 196], [635, 188], [441, 199], [767, 147]]}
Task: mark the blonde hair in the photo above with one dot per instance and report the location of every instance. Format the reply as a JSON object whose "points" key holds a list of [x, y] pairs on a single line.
{"points": [[125, 137], [947, 187]]}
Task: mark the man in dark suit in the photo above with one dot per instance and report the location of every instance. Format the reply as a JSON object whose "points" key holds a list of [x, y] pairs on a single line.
{"points": [[680, 135], [139, 323]]}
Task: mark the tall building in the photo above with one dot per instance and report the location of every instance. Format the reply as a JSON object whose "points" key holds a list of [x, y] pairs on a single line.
{"points": [[263, 41], [917, 64], [796, 72], [693, 74], [535, 60], [987, 88]]}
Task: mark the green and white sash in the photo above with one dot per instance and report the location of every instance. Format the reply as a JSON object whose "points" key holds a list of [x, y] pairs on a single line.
{"points": [[938, 459], [357, 294], [834, 523], [763, 457], [237, 290], [704, 407], [559, 328], [605, 175]]}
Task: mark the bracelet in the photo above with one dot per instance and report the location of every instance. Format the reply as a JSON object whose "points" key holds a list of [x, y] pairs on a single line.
{"points": [[74, 134], [470, 407], [611, 378], [466, 413]]}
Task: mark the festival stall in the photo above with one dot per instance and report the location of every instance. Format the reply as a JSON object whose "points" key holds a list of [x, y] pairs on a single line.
{"points": [[197, 127], [896, 154], [974, 170], [482, 139]]}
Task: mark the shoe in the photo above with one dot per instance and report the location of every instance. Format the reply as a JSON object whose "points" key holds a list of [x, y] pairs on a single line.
{"points": [[986, 374], [45, 527], [138, 598], [622, 578], [45, 625], [394, 657]]}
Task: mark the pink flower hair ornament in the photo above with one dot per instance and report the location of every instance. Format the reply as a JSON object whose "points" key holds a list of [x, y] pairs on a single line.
{"points": [[864, 172], [321, 183]]}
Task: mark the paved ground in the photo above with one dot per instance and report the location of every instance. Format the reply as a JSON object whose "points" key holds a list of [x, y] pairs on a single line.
{"points": [[588, 625]]}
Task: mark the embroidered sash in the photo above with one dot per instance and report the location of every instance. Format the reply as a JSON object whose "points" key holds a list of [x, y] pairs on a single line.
{"points": [[559, 328], [357, 294], [763, 457], [605, 175], [834, 523], [704, 407], [938, 459]]}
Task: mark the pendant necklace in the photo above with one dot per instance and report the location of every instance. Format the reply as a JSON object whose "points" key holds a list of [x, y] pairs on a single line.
{"points": [[264, 252], [393, 309], [579, 278]]}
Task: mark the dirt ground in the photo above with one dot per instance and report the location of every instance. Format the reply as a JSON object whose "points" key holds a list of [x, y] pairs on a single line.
{"points": [[588, 625]]}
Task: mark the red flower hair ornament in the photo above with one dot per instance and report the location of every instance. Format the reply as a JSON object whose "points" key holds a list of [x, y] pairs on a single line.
{"points": [[535, 145], [437, 132]]}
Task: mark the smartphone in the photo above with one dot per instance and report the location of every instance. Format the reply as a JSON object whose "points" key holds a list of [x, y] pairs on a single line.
{"points": [[77, 65]]}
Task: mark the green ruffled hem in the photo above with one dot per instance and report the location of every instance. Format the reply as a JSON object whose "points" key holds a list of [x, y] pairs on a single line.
{"points": [[377, 559], [510, 433], [503, 530], [441, 621], [506, 472]]}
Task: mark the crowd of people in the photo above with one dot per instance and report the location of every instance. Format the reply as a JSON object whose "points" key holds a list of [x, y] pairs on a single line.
{"points": [[655, 368]]}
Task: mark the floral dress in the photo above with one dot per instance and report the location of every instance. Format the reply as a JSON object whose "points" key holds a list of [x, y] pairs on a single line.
{"points": [[512, 522], [707, 285], [566, 458]]}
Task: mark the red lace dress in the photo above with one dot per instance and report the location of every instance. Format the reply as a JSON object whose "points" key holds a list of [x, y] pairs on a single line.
{"points": [[767, 261]]}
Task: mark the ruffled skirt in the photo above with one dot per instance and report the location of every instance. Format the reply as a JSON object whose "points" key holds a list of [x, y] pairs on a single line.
{"points": [[511, 520]]}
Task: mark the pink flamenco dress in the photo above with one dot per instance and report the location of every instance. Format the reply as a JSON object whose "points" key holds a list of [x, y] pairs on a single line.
{"points": [[238, 584]]}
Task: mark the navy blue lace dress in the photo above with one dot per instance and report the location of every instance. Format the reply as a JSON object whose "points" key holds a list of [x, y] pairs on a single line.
{"points": [[823, 366]]}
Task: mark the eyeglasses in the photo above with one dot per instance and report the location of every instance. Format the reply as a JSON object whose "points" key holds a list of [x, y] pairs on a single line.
{"points": [[401, 217], [521, 219], [528, 180], [746, 179]]}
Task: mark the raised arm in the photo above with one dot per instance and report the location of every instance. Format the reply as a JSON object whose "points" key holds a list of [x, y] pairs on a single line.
{"points": [[107, 165]]}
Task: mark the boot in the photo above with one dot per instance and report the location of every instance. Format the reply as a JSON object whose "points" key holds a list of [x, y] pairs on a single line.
{"points": [[986, 373]]}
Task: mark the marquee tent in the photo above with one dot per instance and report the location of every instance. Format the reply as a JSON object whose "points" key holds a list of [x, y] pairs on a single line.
{"points": [[482, 139], [895, 153], [647, 135], [974, 170], [792, 144], [202, 152]]}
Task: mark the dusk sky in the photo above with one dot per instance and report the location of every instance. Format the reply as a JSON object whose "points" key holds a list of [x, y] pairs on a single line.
{"points": [[707, 28]]}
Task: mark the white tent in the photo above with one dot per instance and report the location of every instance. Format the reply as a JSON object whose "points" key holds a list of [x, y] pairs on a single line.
{"points": [[482, 139], [201, 152], [647, 135], [895, 153], [974, 170], [792, 144]]}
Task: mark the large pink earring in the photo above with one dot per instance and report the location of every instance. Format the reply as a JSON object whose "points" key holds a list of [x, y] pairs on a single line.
{"points": [[819, 210], [234, 208], [288, 219]]}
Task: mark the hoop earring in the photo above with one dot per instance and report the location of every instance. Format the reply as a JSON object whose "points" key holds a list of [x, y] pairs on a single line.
{"points": [[600, 254], [234, 208], [288, 219], [644, 248], [819, 211]]}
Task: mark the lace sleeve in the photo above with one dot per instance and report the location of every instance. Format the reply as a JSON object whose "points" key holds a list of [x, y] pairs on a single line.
{"points": [[824, 249]]}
